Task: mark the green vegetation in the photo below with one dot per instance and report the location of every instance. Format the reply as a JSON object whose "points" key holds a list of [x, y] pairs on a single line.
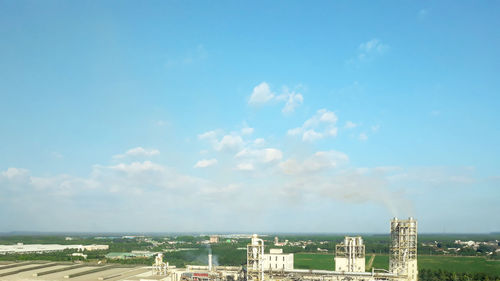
{"points": [[314, 261], [450, 263], [444, 275]]}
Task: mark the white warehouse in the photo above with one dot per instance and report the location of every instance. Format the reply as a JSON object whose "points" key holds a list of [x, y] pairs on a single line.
{"points": [[276, 260], [21, 248]]}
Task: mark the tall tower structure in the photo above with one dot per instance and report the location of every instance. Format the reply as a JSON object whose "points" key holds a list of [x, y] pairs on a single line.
{"points": [[159, 267], [403, 248], [255, 259], [350, 255]]}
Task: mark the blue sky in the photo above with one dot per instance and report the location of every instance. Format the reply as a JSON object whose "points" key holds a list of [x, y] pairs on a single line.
{"points": [[332, 116]]}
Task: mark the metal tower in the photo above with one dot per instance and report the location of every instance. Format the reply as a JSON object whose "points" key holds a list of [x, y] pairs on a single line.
{"points": [[403, 249], [350, 255], [255, 259]]}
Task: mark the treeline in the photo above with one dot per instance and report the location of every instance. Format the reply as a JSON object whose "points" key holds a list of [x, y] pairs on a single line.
{"points": [[443, 275], [228, 254]]}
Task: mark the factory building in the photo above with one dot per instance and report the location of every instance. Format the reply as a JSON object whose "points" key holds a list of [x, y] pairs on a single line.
{"points": [[349, 260], [276, 260], [350, 255], [21, 248]]}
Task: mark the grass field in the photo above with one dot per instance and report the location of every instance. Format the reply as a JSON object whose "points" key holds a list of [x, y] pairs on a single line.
{"points": [[453, 264], [314, 261]]}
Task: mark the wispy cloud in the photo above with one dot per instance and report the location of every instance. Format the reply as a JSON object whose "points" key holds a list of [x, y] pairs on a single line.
{"points": [[204, 163], [422, 14], [369, 50], [363, 137], [262, 94], [350, 125], [191, 56], [321, 125], [138, 152]]}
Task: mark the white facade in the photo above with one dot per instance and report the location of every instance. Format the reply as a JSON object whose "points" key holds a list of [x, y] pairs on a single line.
{"points": [[350, 255], [276, 260], [44, 248]]}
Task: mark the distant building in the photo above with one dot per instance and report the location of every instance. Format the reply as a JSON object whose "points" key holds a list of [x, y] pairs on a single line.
{"points": [[21, 248], [214, 239], [277, 242], [133, 254], [276, 260]]}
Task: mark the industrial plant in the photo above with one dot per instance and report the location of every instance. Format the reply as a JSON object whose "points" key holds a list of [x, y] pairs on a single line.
{"points": [[261, 265], [349, 262]]}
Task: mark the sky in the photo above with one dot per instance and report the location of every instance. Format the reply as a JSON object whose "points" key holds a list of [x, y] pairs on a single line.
{"points": [[249, 116]]}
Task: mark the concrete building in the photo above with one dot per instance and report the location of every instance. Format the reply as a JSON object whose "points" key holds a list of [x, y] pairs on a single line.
{"points": [[276, 260], [350, 255]]}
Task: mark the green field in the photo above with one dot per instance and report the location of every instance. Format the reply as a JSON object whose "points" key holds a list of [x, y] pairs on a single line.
{"points": [[453, 264], [314, 261]]}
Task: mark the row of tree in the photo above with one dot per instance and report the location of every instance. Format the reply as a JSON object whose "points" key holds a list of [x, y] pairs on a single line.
{"points": [[443, 275]]}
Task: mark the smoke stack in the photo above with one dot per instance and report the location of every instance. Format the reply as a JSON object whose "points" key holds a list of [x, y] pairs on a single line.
{"points": [[210, 261]]}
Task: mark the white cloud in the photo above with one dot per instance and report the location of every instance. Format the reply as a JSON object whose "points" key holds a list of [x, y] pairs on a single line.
{"points": [[292, 101], [259, 142], [261, 94], [328, 116], [295, 131], [363, 137], [12, 173], [311, 135], [320, 160], [350, 125], [137, 167], [245, 167], [373, 46], [229, 143], [247, 131], [207, 135], [138, 152], [375, 128], [370, 49], [261, 155], [205, 163], [332, 132], [322, 124]]}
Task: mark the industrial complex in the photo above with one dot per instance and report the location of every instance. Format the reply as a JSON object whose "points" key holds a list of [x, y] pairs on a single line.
{"points": [[273, 265]]}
